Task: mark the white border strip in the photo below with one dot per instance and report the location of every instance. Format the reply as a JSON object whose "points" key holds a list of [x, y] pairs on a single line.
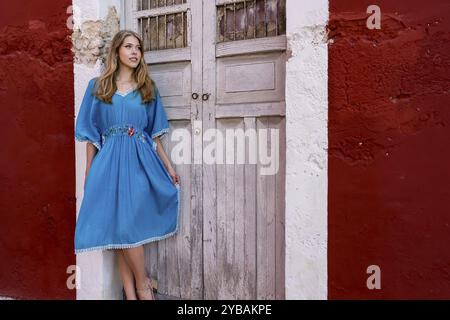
{"points": [[306, 154], [97, 272]]}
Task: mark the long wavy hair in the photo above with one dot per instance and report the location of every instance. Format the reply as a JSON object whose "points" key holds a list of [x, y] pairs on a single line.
{"points": [[106, 83]]}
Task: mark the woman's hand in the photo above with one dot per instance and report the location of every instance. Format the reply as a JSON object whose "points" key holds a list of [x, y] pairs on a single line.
{"points": [[175, 177]]}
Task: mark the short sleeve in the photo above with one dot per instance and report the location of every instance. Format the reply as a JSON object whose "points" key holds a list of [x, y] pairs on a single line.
{"points": [[85, 127], [158, 125]]}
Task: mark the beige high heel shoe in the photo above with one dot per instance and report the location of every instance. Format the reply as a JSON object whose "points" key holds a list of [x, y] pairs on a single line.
{"points": [[146, 293]]}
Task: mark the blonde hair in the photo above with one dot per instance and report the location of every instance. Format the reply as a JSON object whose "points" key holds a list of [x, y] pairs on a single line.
{"points": [[106, 83]]}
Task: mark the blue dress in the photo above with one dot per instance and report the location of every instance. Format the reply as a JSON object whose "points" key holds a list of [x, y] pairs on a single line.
{"points": [[129, 197]]}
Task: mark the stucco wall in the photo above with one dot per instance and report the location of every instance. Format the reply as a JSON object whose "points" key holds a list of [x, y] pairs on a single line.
{"points": [[306, 154], [389, 137]]}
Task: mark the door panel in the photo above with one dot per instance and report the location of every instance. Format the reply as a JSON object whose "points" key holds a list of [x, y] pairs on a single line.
{"points": [[174, 81], [236, 223], [261, 78]]}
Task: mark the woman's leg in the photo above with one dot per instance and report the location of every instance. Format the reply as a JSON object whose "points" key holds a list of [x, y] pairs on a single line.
{"points": [[135, 258], [127, 276]]}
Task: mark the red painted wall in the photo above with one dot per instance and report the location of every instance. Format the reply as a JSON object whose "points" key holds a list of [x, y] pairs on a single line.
{"points": [[37, 180], [389, 149]]}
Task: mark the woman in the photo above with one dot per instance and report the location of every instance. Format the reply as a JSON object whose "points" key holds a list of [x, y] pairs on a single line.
{"points": [[131, 192]]}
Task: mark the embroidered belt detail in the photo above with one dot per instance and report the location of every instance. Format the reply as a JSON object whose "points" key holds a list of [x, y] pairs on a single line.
{"points": [[128, 130]]}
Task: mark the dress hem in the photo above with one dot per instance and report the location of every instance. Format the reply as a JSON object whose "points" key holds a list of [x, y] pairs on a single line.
{"points": [[136, 244]]}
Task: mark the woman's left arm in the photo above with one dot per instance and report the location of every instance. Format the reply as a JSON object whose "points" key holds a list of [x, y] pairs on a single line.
{"points": [[166, 161]]}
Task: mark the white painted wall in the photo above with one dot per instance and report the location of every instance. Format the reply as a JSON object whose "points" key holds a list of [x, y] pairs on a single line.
{"points": [[99, 276], [103, 8], [307, 155], [84, 10]]}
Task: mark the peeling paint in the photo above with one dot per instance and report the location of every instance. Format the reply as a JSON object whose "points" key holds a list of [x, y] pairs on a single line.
{"points": [[91, 41], [306, 36]]}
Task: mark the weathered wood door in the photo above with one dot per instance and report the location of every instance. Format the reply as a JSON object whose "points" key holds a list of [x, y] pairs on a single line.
{"points": [[220, 67]]}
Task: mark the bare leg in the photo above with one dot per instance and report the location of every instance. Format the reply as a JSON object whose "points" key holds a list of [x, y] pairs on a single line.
{"points": [[135, 258], [127, 276]]}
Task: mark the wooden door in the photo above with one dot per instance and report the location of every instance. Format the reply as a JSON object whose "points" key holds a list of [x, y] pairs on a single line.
{"points": [[244, 47], [232, 54]]}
